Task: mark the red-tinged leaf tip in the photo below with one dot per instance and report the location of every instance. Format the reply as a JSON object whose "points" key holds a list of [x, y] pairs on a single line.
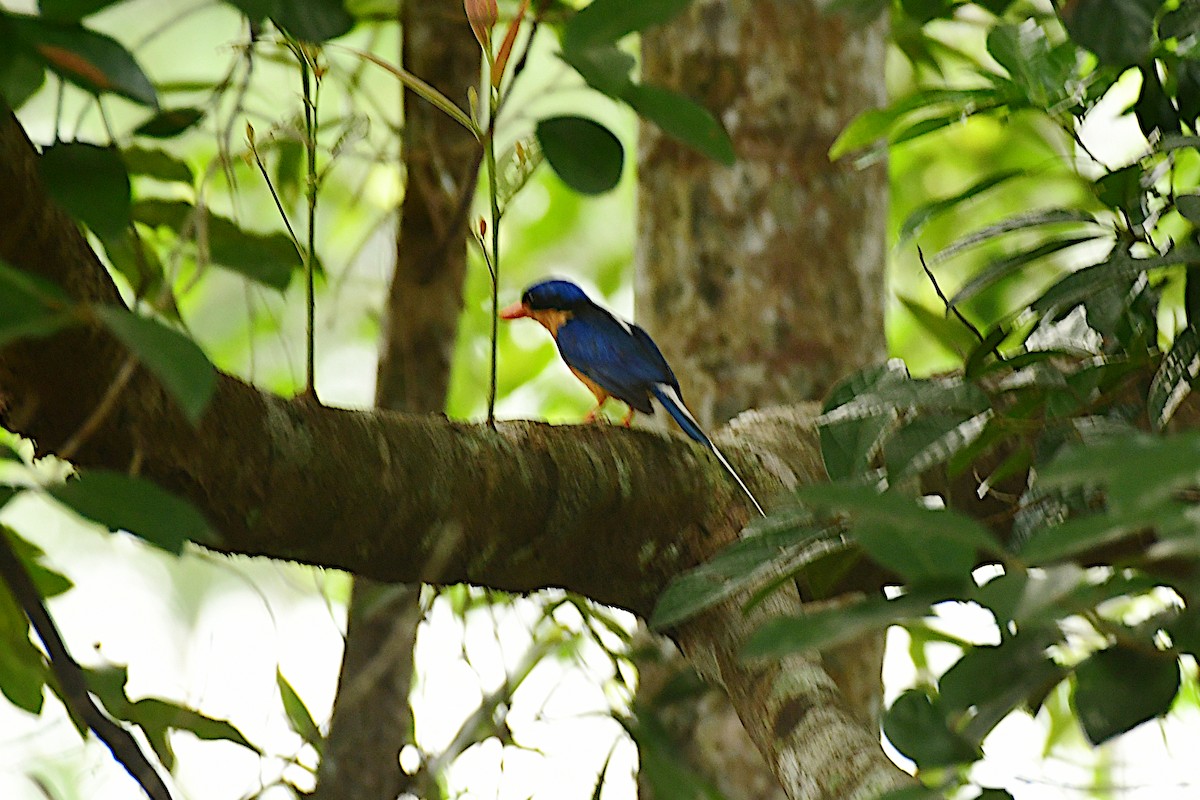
{"points": [[75, 64], [506, 47], [482, 14]]}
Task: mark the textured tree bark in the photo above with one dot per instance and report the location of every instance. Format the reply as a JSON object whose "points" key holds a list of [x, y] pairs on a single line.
{"points": [[372, 719], [763, 281]]}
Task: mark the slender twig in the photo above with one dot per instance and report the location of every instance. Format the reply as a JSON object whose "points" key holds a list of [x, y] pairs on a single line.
{"points": [[262, 168], [945, 300], [101, 411], [58, 108], [71, 681]]}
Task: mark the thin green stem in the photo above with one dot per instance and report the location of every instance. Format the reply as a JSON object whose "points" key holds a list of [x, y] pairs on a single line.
{"points": [[493, 193], [311, 97]]}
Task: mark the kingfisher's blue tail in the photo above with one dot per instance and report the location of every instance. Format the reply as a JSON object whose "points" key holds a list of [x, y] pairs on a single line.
{"points": [[669, 397]]}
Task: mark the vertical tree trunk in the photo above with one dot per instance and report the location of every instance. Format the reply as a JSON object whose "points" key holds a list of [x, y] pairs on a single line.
{"points": [[763, 282], [372, 719]]}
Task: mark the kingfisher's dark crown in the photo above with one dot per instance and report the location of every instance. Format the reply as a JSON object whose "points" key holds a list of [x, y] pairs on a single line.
{"points": [[558, 295]]}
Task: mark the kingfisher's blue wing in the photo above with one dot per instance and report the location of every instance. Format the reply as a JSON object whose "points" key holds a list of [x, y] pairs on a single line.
{"points": [[620, 357]]}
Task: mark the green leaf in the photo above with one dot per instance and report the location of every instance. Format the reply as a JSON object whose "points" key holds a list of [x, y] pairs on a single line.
{"points": [[919, 543], [1175, 376], [820, 630], [586, 155], [1118, 268], [256, 10], [90, 60], [660, 764], [71, 10], [606, 21], [156, 717], [49, 583], [173, 358], [313, 20], [682, 118], [1119, 32], [298, 714], [931, 440], [30, 306], [1041, 70], [991, 681], [90, 182], [1120, 688], [918, 730], [23, 672], [776, 547], [1000, 269], [849, 441], [21, 74], [916, 221], [268, 258], [1034, 219], [123, 502], [170, 122], [606, 68]]}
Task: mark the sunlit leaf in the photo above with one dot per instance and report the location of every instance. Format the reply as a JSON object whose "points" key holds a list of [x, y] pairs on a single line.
{"points": [[173, 358], [586, 155], [1002, 268], [1052, 216], [915, 222], [1120, 688], [124, 502], [90, 182], [90, 60]]}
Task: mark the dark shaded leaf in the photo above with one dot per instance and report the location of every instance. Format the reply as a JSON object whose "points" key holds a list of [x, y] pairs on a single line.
{"points": [[156, 164], [606, 68], [683, 119], [929, 440], [123, 502], [90, 60], [90, 183], [71, 10], [170, 122], [1120, 688], [1119, 32], [991, 681], [606, 21], [586, 155], [178, 362], [257, 10], [1189, 207], [313, 20], [1117, 269], [918, 730], [1153, 109]]}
